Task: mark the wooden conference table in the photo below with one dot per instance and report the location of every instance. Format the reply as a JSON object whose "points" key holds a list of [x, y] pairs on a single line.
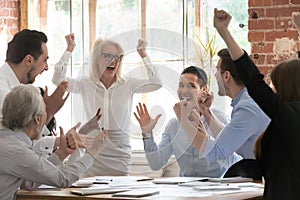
{"points": [[66, 195], [167, 191]]}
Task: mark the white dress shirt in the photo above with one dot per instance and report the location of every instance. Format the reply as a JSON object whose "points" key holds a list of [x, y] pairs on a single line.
{"points": [[116, 104], [8, 80], [19, 162]]}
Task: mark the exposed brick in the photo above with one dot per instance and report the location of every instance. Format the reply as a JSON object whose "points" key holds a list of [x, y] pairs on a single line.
{"points": [[4, 12], [272, 35], [259, 11], [269, 59], [262, 47], [295, 2], [11, 4], [14, 13], [284, 23], [256, 36], [281, 12], [261, 24], [12, 23], [260, 60], [280, 2], [267, 2], [255, 3], [265, 69]]}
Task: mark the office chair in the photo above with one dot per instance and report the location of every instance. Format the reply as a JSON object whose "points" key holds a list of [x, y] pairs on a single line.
{"points": [[247, 168]]}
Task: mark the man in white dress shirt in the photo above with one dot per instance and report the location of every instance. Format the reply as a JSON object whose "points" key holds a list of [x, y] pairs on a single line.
{"points": [[26, 57]]}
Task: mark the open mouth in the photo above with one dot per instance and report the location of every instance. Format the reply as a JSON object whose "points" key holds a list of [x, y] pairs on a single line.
{"points": [[185, 98], [110, 67]]}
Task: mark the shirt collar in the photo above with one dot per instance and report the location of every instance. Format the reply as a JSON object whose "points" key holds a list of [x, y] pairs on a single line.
{"points": [[13, 81], [19, 134], [117, 82], [238, 97]]}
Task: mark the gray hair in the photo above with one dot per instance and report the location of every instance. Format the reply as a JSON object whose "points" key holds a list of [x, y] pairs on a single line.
{"points": [[94, 58], [20, 106]]}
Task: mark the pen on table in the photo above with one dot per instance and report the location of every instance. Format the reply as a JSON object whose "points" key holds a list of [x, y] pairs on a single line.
{"points": [[100, 182], [145, 179], [103, 179]]}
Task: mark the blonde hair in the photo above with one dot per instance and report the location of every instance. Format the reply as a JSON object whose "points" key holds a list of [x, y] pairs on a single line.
{"points": [[94, 59]]}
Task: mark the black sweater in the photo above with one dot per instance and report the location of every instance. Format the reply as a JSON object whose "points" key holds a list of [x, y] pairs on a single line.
{"points": [[280, 150]]}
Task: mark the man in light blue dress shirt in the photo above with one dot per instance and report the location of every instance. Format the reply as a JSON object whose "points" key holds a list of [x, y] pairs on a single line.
{"points": [[174, 141], [248, 121]]}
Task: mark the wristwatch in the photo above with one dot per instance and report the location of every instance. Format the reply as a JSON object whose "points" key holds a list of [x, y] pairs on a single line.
{"points": [[147, 135]]}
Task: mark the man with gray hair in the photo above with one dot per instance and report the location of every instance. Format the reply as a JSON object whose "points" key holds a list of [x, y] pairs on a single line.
{"points": [[23, 117]]}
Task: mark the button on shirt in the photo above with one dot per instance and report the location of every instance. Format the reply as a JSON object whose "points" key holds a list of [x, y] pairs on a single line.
{"points": [[175, 142], [248, 121], [19, 162], [8, 81]]}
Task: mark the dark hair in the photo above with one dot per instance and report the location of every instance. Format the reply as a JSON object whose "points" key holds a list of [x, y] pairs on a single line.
{"points": [[23, 43], [285, 78], [200, 73], [227, 65]]}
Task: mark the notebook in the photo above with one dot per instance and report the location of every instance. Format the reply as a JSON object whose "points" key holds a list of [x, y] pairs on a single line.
{"points": [[216, 188], [136, 193], [97, 190], [178, 180], [237, 179]]}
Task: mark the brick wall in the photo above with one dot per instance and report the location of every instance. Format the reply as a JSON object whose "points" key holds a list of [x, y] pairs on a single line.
{"points": [[268, 20], [9, 23]]}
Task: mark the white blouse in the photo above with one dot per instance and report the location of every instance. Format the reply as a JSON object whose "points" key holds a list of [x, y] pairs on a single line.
{"points": [[116, 101]]}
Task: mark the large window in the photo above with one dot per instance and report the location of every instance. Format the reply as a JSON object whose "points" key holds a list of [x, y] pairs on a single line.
{"points": [[171, 28]]}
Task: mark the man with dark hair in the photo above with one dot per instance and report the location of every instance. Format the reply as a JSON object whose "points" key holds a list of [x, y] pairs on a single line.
{"points": [[248, 121], [193, 81], [26, 42], [26, 57]]}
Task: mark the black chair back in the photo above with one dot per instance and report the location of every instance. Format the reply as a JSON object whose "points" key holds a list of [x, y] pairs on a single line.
{"points": [[247, 168]]}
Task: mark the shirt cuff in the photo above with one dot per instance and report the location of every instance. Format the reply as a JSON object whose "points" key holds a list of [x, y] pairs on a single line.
{"points": [[149, 144], [87, 160], [147, 60], [66, 55], [44, 146], [147, 135]]}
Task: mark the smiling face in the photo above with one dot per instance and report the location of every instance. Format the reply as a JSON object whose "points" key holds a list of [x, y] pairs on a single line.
{"points": [[38, 65], [188, 87], [109, 62]]}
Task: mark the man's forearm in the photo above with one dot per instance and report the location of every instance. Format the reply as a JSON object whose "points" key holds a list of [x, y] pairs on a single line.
{"points": [[214, 124]]}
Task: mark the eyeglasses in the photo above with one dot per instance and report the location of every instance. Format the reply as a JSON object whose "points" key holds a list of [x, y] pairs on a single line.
{"points": [[108, 57]]}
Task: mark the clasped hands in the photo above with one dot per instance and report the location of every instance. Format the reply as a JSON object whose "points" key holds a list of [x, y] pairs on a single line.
{"points": [[92, 143], [189, 114]]}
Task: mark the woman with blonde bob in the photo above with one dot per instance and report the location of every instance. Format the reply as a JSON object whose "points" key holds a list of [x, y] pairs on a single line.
{"points": [[277, 149], [105, 88]]}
